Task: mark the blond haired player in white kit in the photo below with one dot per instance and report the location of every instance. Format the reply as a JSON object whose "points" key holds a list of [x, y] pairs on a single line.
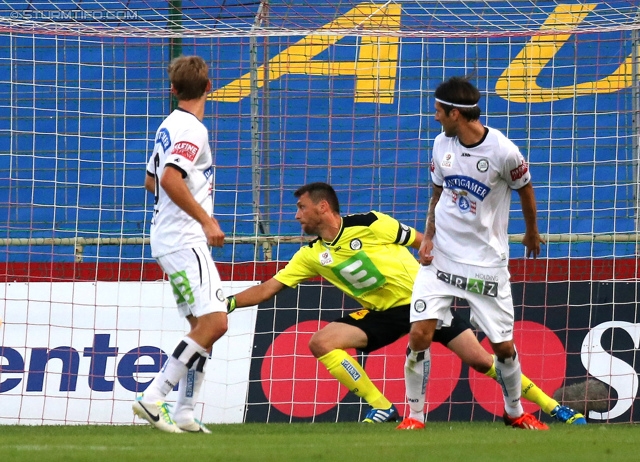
{"points": [[465, 250], [179, 174]]}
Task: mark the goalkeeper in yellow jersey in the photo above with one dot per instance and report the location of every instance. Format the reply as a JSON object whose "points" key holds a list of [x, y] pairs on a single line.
{"points": [[366, 256]]}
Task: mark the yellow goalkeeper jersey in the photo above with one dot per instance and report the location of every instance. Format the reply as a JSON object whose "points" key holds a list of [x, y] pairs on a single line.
{"points": [[368, 260]]}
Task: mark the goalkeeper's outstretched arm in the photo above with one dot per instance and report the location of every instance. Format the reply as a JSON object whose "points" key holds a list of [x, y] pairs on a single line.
{"points": [[255, 295]]}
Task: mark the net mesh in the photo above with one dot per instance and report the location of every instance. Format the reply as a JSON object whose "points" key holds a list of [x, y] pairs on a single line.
{"points": [[303, 91]]}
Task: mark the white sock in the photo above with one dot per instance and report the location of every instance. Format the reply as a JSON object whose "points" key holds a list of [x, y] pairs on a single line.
{"points": [[416, 375], [509, 377], [188, 392], [184, 356]]}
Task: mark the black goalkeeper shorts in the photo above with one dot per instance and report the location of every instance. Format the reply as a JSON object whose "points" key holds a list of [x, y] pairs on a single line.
{"points": [[385, 327]]}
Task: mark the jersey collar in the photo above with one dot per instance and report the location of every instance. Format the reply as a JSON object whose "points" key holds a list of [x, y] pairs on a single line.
{"points": [[337, 238], [185, 111], [471, 146]]}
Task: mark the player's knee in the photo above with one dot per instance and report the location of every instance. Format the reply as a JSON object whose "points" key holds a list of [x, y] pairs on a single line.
{"points": [[420, 338], [419, 344], [220, 329], [318, 345], [504, 350], [213, 326]]}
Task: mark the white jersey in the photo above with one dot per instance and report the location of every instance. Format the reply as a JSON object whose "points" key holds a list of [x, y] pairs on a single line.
{"points": [[472, 214], [183, 142]]}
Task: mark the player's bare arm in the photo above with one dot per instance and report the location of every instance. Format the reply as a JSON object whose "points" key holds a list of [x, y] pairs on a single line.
{"points": [[426, 246], [177, 190], [258, 294], [417, 242], [532, 238], [150, 183]]}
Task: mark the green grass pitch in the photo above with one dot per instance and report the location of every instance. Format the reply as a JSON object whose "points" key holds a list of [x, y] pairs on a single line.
{"points": [[344, 442]]}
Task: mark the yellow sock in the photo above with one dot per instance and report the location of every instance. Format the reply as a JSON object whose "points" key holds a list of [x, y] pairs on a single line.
{"points": [[350, 374], [534, 394], [531, 392]]}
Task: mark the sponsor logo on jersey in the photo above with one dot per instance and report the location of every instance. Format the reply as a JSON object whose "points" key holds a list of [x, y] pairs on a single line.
{"points": [[208, 172], [464, 203], [519, 171], [181, 288], [355, 244], [466, 183], [359, 274], [447, 160], [466, 154], [325, 258], [355, 375], [476, 286], [163, 138], [186, 150], [419, 306], [486, 277], [482, 165]]}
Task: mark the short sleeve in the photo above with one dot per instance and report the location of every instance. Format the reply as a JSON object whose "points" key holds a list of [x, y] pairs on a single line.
{"points": [[187, 146], [434, 168], [516, 169], [299, 269], [390, 231], [151, 165]]}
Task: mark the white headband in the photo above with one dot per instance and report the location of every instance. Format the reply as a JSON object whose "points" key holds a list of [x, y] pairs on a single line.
{"points": [[455, 104]]}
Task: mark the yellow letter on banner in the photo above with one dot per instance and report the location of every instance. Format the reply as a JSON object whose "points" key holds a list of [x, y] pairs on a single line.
{"points": [[518, 82], [374, 69]]}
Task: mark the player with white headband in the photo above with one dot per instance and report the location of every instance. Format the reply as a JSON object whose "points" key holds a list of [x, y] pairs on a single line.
{"points": [[465, 250]]}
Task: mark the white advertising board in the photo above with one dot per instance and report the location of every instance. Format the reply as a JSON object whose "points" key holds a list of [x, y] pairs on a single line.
{"points": [[77, 352]]}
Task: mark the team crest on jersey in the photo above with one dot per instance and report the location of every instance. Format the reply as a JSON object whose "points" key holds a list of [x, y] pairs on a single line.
{"points": [[465, 204], [355, 244], [447, 160], [482, 165], [419, 306], [220, 295], [325, 258]]}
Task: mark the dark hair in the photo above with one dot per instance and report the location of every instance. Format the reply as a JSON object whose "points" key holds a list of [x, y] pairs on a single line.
{"points": [[320, 191], [459, 90], [189, 76]]}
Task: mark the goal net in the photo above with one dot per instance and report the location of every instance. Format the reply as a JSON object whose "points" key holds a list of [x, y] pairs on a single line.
{"points": [[304, 91]]}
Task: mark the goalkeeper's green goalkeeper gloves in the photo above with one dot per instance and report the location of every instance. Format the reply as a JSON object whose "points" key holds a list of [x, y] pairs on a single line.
{"points": [[231, 303]]}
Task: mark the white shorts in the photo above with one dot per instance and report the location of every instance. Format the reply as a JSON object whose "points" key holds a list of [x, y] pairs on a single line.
{"points": [[487, 290], [195, 281]]}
